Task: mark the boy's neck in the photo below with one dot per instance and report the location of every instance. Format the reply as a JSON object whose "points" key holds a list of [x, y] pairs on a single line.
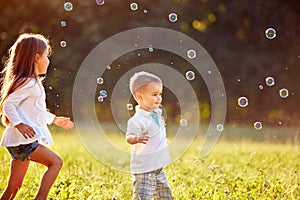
{"points": [[146, 109]]}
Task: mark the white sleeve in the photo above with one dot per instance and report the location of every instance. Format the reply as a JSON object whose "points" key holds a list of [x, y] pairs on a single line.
{"points": [[49, 118], [14, 99], [133, 128]]}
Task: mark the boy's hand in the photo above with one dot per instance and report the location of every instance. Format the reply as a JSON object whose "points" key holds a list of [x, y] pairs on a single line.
{"points": [[143, 138], [63, 122], [25, 130]]}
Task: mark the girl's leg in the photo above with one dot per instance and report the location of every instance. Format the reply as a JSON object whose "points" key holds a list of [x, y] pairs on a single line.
{"points": [[18, 170], [54, 163]]}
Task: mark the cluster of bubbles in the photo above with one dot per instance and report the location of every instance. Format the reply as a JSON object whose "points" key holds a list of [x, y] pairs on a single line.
{"points": [[100, 2], [102, 95], [270, 33], [257, 125], [134, 6], [243, 101], [68, 6], [283, 92], [173, 17], [190, 75]]}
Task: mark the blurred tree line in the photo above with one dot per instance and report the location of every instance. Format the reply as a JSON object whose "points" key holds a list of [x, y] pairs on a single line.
{"points": [[232, 31]]}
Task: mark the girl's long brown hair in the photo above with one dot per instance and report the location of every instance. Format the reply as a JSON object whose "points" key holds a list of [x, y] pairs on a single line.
{"points": [[20, 65]]}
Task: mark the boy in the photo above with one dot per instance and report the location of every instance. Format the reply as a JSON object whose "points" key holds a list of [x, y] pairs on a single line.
{"points": [[147, 133]]}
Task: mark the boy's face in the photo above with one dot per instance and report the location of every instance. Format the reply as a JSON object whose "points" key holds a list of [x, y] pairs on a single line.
{"points": [[149, 97]]}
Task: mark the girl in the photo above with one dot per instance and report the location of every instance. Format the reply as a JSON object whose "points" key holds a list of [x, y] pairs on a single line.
{"points": [[24, 113]]}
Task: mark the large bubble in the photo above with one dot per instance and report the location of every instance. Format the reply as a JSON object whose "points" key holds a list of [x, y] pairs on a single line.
{"points": [[191, 54], [68, 6], [283, 93], [63, 23], [243, 102], [190, 75], [173, 17], [270, 81], [63, 43], [100, 2], [270, 33], [257, 125], [134, 6]]}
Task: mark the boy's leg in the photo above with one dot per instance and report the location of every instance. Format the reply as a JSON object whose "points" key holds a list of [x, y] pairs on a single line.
{"points": [[163, 190], [18, 170], [143, 186], [54, 163]]}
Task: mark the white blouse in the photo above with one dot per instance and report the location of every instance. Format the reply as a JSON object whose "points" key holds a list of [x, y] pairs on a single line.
{"points": [[27, 105]]}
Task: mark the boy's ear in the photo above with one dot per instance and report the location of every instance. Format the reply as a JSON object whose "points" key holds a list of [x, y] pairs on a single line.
{"points": [[138, 96]]}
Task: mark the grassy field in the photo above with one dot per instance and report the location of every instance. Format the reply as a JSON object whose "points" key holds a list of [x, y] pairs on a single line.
{"points": [[235, 169]]}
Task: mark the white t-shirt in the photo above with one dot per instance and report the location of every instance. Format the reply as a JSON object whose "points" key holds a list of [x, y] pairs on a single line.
{"points": [[154, 154], [27, 105]]}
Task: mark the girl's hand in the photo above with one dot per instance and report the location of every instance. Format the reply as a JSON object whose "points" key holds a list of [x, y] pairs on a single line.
{"points": [[63, 122], [25, 130]]}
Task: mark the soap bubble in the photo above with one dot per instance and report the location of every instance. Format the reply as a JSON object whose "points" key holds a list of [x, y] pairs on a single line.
{"points": [[63, 23], [68, 6], [100, 2], [151, 49], [190, 75], [173, 17], [283, 93], [243, 101], [270, 81], [191, 54], [103, 93], [183, 122], [100, 98], [257, 125], [134, 6], [261, 87], [220, 127], [100, 81], [63, 43], [129, 106], [108, 67], [270, 33]]}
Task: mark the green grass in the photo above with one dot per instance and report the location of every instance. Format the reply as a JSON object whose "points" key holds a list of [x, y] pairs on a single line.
{"points": [[235, 169]]}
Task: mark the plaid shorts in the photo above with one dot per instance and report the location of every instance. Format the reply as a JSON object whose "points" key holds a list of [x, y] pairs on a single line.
{"points": [[149, 185]]}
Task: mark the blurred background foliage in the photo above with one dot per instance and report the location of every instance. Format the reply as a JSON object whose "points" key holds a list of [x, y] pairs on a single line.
{"points": [[232, 31]]}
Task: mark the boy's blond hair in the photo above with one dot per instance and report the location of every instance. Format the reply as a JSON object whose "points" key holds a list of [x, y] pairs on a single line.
{"points": [[141, 79]]}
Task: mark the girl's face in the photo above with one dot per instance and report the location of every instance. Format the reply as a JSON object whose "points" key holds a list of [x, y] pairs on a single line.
{"points": [[42, 62]]}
